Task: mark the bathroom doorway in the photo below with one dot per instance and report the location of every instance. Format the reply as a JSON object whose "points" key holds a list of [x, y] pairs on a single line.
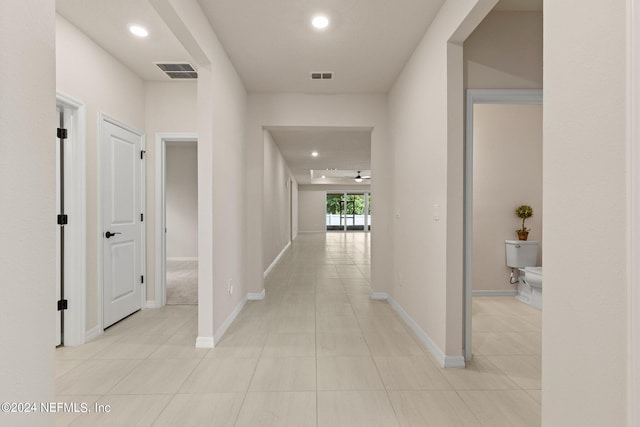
{"points": [[503, 170]]}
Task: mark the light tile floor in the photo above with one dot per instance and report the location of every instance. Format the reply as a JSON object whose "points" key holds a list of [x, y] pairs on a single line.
{"points": [[316, 352]]}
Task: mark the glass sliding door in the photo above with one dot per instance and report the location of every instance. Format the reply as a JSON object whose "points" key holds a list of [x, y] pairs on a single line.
{"points": [[368, 211], [335, 212], [348, 212], [355, 212]]}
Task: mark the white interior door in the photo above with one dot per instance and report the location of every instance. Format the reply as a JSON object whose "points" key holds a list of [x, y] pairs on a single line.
{"points": [[121, 213]]}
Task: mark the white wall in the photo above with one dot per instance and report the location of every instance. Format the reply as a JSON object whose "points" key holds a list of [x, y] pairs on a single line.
{"points": [[507, 173], [426, 120], [221, 121], [86, 72], [311, 213], [170, 107], [28, 195], [181, 187], [267, 110], [586, 287], [505, 52], [275, 202]]}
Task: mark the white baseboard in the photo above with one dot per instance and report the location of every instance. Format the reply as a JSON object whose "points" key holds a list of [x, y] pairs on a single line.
{"points": [[228, 321], [151, 303], [256, 296], [378, 295], [275, 261], [92, 334], [444, 360], [178, 258], [503, 293], [204, 342]]}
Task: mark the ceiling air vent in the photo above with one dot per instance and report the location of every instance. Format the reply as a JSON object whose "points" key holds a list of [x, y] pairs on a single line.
{"points": [[178, 70], [322, 75]]}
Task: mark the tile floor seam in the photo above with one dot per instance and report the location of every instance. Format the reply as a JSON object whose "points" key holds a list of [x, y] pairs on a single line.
{"points": [[315, 318], [384, 385], [177, 390], [464, 402]]}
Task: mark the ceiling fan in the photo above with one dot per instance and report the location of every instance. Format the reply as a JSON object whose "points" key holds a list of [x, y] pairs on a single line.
{"points": [[361, 178]]}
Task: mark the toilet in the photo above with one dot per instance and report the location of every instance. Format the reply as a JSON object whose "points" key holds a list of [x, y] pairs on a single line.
{"points": [[530, 286], [522, 255]]}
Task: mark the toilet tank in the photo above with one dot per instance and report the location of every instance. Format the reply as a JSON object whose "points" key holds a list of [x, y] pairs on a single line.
{"points": [[521, 253]]}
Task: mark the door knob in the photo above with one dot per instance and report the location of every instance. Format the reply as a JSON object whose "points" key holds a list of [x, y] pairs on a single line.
{"points": [[109, 234]]}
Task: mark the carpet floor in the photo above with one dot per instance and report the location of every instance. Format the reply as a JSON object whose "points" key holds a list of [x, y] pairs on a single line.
{"points": [[182, 282]]}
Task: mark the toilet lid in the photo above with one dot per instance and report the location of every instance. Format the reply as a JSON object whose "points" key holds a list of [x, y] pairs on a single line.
{"points": [[535, 270]]}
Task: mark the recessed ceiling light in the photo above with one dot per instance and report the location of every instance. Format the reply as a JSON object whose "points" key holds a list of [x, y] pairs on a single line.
{"points": [[320, 22], [323, 177], [314, 153], [138, 30]]}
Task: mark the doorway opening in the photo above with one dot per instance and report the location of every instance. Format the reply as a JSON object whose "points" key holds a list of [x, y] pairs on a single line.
{"points": [[475, 199], [348, 211], [181, 217], [176, 260], [71, 225]]}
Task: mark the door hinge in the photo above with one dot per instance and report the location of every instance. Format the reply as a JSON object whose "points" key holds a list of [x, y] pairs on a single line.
{"points": [[141, 217], [63, 219], [62, 133], [142, 153], [62, 304], [141, 279]]}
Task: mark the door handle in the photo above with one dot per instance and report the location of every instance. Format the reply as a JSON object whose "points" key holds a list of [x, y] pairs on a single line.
{"points": [[109, 234]]}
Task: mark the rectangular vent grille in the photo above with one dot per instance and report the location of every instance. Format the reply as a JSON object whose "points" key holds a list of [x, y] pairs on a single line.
{"points": [[322, 75], [178, 70]]}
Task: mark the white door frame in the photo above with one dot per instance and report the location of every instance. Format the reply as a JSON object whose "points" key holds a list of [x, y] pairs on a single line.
{"points": [[633, 177], [480, 96], [75, 230], [102, 118], [161, 140]]}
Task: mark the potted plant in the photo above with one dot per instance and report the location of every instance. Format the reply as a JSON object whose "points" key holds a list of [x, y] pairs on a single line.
{"points": [[524, 212]]}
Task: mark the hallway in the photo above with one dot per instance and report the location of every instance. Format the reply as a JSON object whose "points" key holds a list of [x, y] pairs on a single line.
{"points": [[316, 352]]}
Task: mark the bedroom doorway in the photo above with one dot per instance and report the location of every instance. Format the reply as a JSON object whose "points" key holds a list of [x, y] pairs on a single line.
{"points": [[177, 221]]}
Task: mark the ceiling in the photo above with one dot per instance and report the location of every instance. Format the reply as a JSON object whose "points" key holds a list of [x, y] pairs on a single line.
{"points": [[274, 49], [519, 5], [342, 152], [106, 22]]}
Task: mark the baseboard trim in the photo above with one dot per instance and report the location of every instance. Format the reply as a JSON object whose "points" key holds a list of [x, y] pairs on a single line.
{"points": [[275, 261], [444, 360], [178, 258], [92, 334], [500, 293], [256, 296], [378, 295], [204, 342], [228, 321], [151, 303]]}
